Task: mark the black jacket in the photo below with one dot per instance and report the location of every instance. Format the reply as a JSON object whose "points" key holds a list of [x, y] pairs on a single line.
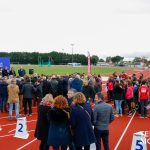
{"points": [[42, 125]]}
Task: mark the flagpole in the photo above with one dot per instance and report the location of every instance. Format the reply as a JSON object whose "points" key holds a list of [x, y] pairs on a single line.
{"points": [[89, 65]]}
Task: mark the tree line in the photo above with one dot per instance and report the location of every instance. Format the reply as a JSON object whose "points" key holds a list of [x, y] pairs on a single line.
{"points": [[59, 58]]}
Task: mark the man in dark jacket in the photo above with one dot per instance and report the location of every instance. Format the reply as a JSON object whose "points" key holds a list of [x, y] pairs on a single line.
{"points": [[103, 115], [27, 91], [3, 95], [5, 72], [88, 91], [76, 83], [71, 93], [21, 72], [54, 86]]}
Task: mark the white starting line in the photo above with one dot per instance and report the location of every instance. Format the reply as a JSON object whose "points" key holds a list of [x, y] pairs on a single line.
{"points": [[13, 134], [26, 144], [125, 130], [15, 123]]}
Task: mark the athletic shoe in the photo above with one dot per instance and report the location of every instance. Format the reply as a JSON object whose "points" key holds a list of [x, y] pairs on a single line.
{"points": [[30, 115], [116, 115], [10, 118], [141, 117]]}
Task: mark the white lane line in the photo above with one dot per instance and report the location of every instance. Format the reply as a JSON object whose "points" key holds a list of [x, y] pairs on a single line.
{"points": [[13, 134], [20, 115], [124, 132], [6, 135], [27, 144], [11, 130], [15, 123]]}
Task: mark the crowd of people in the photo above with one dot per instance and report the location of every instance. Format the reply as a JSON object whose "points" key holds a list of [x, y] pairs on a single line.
{"points": [[72, 110]]}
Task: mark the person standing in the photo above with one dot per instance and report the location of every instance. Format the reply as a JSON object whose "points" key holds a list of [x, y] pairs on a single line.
{"points": [[5, 72], [27, 91], [38, 92], [81, 119], [42, 125], [70, 94], [143, 98], [21, 72], [59, 134], [103, 116], [3, 95], [13, 98], [118, 97], [12, 72]]}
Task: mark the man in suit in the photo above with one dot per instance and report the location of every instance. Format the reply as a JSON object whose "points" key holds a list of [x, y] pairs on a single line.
{"points": [[103, 115]]}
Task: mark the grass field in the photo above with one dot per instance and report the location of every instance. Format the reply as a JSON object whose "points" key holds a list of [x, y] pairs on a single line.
{"points": [[62, 70]]}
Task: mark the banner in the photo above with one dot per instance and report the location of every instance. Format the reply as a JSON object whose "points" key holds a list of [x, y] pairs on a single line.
{"points": [[89, 64], [5, 62]]}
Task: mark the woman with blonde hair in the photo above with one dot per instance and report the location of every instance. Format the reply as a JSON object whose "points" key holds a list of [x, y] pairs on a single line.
{"points": [[81, 122], [59, 131], [42, 125]]}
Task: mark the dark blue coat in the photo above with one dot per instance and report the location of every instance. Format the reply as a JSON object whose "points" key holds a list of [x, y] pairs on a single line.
{"points": [[59, 130], [21, 72], [81, 123], [3, 89]]}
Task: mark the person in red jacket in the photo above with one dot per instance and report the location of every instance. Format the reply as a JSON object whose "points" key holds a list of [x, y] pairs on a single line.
{"points": [[143, 98]]}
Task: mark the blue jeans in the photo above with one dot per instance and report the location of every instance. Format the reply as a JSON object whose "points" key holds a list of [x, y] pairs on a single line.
{"points": [[102, 134], [143, 104], [16, 109], [118, 106]]}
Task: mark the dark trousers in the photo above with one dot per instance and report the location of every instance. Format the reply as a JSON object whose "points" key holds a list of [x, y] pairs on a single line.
{"points": [[3, 104], [85, 147], [129, 104], [143, 104], [27, 101], [123, 105], [111, 96], [57, 147], [43, 145], [104, 135]]}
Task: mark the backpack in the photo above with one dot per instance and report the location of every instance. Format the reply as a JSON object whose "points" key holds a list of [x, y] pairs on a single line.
{"points": [[129, 93]]}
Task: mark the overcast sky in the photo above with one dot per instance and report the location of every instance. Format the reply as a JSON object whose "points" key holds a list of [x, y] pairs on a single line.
{"points": [[103, 27]]}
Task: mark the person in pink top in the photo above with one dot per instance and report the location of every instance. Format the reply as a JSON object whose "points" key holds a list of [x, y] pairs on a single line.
{"points": [[129, 96]]}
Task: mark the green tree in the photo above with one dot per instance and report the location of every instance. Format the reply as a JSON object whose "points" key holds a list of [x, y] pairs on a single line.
{"points": [[101, 60], [94, 59], [117, 59], [108, 59]]}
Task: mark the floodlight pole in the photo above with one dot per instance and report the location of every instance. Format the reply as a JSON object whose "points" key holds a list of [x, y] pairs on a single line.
{"points": [[72, 51]]}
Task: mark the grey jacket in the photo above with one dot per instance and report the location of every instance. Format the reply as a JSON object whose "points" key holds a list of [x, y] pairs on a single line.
{"points": [[103, 115]]}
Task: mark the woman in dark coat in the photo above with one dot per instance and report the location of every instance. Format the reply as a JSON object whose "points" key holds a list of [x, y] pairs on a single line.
{"points": [[42, 125], [81, 116], [59, 130], [118, 97]]}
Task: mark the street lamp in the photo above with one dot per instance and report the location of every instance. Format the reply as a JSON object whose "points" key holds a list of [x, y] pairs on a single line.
{"points": [[72, 51]]}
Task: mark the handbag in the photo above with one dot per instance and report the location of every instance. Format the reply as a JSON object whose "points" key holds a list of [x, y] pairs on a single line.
{"points": [[71, 129]]}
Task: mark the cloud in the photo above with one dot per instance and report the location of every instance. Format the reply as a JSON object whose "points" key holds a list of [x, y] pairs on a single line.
{"points": [[137, 54]]}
